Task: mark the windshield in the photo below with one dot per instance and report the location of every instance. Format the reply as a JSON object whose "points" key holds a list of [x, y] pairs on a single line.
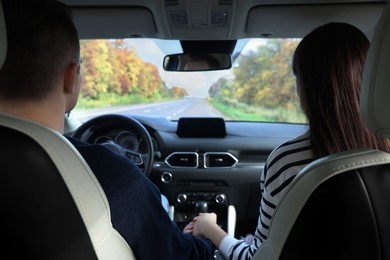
{"points": [[126, 76]]}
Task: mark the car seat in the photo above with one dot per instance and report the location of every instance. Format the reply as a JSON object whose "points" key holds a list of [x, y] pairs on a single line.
{"points": [[52, 205]]}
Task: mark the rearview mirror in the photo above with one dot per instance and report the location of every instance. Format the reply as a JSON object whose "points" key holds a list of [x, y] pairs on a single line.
{"points": [[197, 62]]}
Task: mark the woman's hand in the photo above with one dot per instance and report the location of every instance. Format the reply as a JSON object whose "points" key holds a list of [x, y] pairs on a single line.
{"points": [[206, 225], [203, 223]]}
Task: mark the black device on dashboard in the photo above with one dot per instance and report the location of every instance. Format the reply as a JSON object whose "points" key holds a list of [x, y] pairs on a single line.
{"points": [[207, 127]]}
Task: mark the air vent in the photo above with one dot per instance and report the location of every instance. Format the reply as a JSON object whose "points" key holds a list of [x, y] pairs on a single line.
{"points": [[182, 160], [218, 159], [171, 2], [224, 2]]}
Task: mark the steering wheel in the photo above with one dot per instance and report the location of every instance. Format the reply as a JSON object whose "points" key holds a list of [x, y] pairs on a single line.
{"points": [[101, 124]]}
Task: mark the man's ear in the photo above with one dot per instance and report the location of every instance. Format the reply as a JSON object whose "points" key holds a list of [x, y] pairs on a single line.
{"points": [[70, 77]]}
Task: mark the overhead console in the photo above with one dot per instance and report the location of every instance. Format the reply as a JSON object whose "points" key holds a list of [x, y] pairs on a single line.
{"points": [[208, 18], [199, 127]]}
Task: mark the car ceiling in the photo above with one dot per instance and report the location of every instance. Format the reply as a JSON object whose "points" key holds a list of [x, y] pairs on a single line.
{"points": [[217, 19]]}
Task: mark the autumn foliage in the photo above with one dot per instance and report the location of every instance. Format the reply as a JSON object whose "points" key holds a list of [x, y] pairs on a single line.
{"points": [[112, 66], [262, 80]]}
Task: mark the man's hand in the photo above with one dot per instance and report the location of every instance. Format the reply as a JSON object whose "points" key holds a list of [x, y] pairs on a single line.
{"points": [[190, 226]]}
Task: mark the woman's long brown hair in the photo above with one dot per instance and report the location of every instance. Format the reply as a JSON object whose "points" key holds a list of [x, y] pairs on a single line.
{"points": [[328, 64]]}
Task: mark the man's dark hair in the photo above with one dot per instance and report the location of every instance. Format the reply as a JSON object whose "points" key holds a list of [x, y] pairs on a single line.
{"points": [[42, 40]]}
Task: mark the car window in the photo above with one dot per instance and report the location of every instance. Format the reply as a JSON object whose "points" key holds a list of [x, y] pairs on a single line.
{"points": [[126, 76]]}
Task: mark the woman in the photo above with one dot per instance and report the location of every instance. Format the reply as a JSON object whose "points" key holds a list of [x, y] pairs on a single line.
{"points": [[328, 65]]}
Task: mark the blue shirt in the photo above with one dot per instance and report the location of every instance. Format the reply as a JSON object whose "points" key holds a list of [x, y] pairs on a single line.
{"points": [[136, 209]]}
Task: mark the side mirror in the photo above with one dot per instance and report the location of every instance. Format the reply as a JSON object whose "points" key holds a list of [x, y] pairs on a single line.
{"points": [[197, 62]]}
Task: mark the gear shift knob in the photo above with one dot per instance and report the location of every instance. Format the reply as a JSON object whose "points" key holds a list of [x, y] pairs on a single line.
{"points": [[201, 207]]}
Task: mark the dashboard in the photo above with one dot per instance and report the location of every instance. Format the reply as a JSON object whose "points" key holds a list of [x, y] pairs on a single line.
{"points": [[204, 165]]}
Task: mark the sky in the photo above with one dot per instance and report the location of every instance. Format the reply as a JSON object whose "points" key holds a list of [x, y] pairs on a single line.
{"points": [[197, 84]]}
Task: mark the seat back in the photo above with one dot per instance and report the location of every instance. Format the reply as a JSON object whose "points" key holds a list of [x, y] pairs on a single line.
{"points": [[55, 207], [375, 93], [344, 217], [41, 217], [52, 205], [3, 37], [334, 209], [337, 207]]}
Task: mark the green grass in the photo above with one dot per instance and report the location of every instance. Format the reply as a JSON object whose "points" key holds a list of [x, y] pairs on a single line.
{"points": [[231, 109], [113, 100], [242, 112]]}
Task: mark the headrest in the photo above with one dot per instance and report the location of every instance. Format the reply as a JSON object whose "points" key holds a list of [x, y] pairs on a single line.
{"points": [[3, 37], [375, 93]]}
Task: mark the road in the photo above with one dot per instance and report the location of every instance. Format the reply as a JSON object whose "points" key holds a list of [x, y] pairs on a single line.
{"points": [[172, 110]]}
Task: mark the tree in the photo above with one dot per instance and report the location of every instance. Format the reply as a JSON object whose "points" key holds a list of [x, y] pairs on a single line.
{"points": [[262, 77], [179, 92], [221, 88], [98, 71], [113, 66]]}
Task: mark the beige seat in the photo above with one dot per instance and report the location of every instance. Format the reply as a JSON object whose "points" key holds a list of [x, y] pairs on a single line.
{"points": [[52, 205], [338, 206]]}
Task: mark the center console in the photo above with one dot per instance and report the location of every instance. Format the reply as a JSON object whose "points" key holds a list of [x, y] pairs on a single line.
{"points": [[186, 175], [189, 204]]}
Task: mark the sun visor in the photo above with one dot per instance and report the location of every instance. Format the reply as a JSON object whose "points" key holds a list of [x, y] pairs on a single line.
{"points": [[129, 22], [286, 21]]}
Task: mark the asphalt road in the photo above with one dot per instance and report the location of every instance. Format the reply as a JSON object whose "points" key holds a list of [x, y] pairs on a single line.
{"points": [[172, 110]]}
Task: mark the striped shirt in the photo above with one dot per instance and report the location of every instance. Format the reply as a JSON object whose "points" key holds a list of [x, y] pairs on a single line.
{"points": [[281, 167]]}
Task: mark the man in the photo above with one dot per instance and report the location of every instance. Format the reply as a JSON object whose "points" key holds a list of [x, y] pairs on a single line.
{"points": [[201, 62], [40, 81]]}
